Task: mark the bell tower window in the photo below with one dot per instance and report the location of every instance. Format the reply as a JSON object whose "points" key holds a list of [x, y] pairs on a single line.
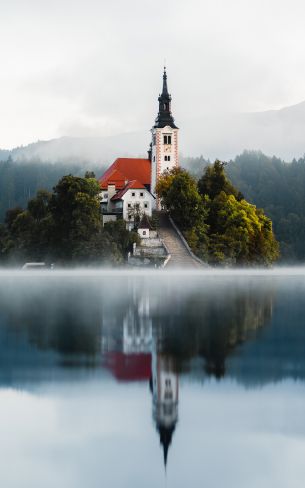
{"points": [[167, 139]]}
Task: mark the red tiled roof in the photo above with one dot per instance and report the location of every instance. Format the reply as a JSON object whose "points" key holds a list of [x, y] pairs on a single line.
{"points": [[129, 367], [131, 184], [129, 169], [115, 178]]}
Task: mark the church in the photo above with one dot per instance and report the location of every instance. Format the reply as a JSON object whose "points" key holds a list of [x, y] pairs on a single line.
{"points": [[128, 187]]}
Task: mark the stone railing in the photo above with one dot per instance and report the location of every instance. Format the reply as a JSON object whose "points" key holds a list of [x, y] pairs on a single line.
{"points": [[186, 244]]}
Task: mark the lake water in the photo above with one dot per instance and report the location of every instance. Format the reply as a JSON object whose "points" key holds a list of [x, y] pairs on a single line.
{"points": [[151, 379]]}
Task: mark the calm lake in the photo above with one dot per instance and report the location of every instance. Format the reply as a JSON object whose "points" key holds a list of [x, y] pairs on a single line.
{"points": [[152, 379]]}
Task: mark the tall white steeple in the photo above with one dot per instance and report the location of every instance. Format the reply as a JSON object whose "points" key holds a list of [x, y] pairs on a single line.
{"points": [[164, 145]]}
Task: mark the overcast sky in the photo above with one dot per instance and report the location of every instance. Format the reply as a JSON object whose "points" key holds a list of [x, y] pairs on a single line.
{"points": [[94, 67]]}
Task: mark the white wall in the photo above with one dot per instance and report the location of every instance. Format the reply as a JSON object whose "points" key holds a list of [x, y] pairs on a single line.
{"points": [[129, 199], [144, 233], [158, 163]]}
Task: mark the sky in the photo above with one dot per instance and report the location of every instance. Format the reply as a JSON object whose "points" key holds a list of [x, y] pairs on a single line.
{"points": [[94, 67]]}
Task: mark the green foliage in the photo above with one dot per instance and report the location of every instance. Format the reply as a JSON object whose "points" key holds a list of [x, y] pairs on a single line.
{"points": [[275, 186], [124, 239], [75, 211], [64, 227], [278, 188], [241, 234], [178, 192], [20, 180], [219, 225], [214, 180]]}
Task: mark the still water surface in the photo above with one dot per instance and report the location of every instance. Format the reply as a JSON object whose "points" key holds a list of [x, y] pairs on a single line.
{"points": [[152, 379]]}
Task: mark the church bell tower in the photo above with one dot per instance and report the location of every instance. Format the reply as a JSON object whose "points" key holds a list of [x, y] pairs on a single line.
{"points": [[164, 144]]}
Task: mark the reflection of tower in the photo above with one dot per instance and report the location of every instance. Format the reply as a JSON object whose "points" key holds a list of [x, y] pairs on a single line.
{"points": [[165, 388], [137, 328], [126, 344]]}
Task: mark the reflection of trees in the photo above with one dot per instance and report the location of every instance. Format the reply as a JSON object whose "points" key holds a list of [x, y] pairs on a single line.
{"points": [[86, 318], [212, 325], [65, 319]]}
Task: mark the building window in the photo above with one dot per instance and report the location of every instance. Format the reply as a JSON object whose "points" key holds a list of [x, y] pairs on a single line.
{"points": [[133, 194], [129, 205], [141, 194], [144, 232], [154, 158], [167, 158], [167, 139], [145, 205]]}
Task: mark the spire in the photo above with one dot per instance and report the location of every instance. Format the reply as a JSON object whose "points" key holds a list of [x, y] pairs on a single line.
{"points": [[165, 115], [166, 434], [165, 90]]}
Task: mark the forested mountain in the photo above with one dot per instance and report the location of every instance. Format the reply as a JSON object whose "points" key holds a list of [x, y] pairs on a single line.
{"points": [[19, 181], [279, 188]]}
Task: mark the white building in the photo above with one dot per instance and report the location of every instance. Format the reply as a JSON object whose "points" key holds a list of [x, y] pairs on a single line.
{"points": [[128, 187], [125, 190]]}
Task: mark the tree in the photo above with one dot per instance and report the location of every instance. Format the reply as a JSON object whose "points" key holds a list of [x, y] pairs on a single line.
{"points": [[64, 227], [135, 213], [124, 239], [178, 192], [241, 234], [39, 206], [75, 210], [219, 225], [214, 181]]}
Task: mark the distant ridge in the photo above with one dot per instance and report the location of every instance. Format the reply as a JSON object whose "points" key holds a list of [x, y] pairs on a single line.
{"points": [[218, 135], [92, 149]]}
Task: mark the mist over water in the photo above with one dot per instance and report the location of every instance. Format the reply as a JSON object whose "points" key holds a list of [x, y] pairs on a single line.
{"points": [[155, 378]]}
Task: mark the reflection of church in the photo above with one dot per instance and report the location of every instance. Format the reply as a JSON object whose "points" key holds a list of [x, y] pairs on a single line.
{"points": [[132, 352], [164, 385]]}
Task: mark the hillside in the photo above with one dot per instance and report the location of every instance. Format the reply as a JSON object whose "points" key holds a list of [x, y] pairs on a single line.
{"points": [[216, 135]]}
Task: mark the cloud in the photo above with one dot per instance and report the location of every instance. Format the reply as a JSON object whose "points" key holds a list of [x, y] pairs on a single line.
{"points": [[98, 64]]}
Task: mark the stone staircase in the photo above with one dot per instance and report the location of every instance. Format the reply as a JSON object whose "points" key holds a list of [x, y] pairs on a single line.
{"points": [[180, 256]]}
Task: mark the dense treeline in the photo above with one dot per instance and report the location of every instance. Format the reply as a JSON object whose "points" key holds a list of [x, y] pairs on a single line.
{"points": [[279, 188], [219, 224], [268, 183], [64, 227], [19, 181], [275, 186]]}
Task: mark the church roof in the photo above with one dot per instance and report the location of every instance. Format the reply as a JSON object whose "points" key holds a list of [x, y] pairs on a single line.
{"points": [[129, 367], [129, 186], [114, 177], [165, 117], [145, 223], [126, 169]]}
